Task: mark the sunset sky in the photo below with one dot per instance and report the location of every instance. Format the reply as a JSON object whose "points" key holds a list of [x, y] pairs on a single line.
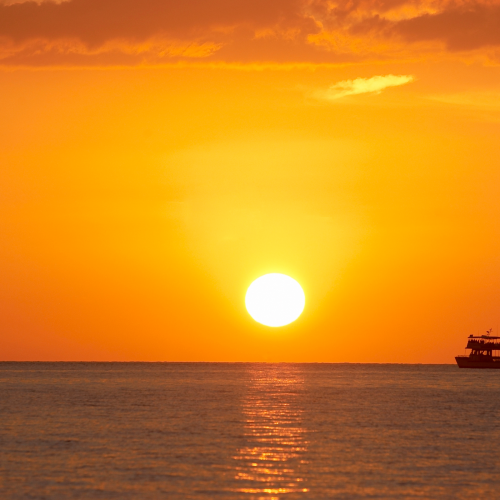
{"points": [[157, 156]]}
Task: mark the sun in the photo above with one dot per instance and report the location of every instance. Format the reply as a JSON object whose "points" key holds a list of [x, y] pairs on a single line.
{"points": [[275, 300]]}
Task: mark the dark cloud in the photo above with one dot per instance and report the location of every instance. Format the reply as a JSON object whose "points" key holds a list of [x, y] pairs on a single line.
{"points": [[94, 22], [463, 27], [103, 32], [466, 27]]}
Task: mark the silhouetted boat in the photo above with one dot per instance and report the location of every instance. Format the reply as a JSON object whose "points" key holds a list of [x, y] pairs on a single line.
{"points": [[481, 355]]}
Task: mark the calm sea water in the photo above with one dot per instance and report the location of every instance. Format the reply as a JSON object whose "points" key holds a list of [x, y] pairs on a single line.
{"points": [[248, 431]]}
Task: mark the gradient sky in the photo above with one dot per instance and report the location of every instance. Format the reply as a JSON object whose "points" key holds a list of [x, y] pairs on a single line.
{"points": [[157, 156]]}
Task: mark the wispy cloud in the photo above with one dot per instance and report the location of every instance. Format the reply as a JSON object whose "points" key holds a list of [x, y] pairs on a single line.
{"points": [[487, 100], [373, 85]]}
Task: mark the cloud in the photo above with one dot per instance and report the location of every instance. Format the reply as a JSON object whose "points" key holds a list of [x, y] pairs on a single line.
{"points": [[95, 31], [131, 32], [466, 27], [486, 100], [94, 22], [373, 85]]}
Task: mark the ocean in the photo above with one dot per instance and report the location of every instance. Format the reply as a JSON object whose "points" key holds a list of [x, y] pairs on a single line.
{"points": [[248, 431]]}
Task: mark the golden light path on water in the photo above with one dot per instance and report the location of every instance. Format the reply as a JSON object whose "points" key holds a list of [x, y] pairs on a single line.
{"points": [[269, 464]]}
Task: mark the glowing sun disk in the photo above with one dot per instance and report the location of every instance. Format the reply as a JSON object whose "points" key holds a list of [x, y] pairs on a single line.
{"points": [[275, 300]]}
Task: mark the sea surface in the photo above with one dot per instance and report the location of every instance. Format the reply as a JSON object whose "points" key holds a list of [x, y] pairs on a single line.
{"points": [[248, 431]]}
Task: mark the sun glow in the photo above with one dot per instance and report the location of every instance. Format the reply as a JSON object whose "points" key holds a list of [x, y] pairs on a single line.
{"points": [[275, 300]]}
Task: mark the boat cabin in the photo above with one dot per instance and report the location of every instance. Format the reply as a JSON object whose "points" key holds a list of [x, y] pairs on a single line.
{"points": [[483, 347]]}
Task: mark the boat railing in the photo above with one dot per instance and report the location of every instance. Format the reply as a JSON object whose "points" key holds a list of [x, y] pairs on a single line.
{"points": [[481, 344]]}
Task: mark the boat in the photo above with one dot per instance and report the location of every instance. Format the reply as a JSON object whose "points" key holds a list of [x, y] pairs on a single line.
{"points": [[484, 352]]}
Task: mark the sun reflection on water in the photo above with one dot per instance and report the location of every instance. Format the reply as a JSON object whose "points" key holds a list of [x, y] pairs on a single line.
{"points": [[269, 464]]}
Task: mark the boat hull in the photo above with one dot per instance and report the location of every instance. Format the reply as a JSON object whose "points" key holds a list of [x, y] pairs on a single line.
{"points": [[466, 362]]}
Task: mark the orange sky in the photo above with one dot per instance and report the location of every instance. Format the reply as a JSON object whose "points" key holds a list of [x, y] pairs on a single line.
{"points": [[158, 156]]}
